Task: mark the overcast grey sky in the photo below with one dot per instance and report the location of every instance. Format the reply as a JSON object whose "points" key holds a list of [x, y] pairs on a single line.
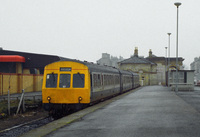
{"points": [[84, 29]]}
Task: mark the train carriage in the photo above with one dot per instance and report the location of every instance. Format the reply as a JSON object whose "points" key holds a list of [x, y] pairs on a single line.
{"points": [[126, 80], [70, 84], [66, 82], [104, 81], [135, 80]]}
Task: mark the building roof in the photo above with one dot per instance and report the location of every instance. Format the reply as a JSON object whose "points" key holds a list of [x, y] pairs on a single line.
{"points": [[136, 60], [183, 70], [11, 58], [33, 60], [163, 58]]}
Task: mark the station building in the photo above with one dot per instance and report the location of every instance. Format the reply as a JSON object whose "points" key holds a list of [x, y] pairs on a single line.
{"points": [[152, 69], [164, 65], [21, 70]]}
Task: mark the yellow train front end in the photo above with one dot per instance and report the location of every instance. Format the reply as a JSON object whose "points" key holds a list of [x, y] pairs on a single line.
{"points": [[66, 84]]}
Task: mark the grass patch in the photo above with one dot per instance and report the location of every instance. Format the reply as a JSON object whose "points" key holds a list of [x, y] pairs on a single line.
{"points": [[14, 105], [4, 105]]}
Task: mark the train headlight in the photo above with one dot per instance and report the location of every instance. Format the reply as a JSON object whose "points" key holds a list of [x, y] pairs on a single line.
{"points": [[49, 98], [80, 98]]}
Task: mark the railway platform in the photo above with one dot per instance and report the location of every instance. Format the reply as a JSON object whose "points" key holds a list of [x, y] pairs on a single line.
{"points": [[145, 112]]}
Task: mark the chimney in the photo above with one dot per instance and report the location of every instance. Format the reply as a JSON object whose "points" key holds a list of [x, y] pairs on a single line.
{"points": [[150, 54], [136, 52]]}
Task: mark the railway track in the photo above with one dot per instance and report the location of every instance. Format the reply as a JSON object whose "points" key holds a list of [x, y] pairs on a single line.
{"points": [[23, 128], [20, 129]]}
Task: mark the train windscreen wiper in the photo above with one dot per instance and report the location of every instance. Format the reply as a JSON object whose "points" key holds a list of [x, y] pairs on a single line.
{"points": [[80, 76]]}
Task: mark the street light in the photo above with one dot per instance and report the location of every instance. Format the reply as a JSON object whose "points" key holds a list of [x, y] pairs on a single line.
{"points": [[177, 4], [168, 57], [165, 66]]}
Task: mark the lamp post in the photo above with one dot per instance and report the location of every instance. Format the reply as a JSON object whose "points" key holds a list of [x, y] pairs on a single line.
{"points": [[165, 66], [168, 58], [177, 4]]}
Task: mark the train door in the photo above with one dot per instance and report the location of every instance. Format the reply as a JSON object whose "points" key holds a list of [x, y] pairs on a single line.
{"points": [[91, 85], [133, 81], [121, 82]]}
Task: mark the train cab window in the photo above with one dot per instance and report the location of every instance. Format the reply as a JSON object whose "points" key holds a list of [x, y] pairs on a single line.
{"points": [[51, 80], [64, 80], [78, 80]]}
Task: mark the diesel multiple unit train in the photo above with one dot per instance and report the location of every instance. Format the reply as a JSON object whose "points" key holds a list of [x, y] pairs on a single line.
{"points": [[71, 84]]}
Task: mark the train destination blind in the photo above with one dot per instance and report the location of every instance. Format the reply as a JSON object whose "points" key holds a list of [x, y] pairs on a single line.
{"points": [[65, 69]]}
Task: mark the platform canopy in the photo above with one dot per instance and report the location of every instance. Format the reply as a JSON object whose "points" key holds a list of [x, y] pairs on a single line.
{"points": [[11, 58]]}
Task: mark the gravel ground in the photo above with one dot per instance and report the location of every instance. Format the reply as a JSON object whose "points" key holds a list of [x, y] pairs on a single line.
{"points": [[22, 118]]}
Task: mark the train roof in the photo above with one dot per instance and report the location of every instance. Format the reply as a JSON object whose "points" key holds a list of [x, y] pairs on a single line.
{"points": [[95, 67], [102, 68]]}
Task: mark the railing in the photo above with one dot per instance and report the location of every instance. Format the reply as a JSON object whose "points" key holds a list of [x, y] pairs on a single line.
{"points": [[12, 104], [33, 98]]}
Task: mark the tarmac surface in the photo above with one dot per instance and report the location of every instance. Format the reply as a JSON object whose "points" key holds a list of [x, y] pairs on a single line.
{"points": [[152, 111]]}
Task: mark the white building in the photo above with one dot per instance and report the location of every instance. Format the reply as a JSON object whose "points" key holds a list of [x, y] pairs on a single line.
{"points": [[195, 65], [108, 60]]}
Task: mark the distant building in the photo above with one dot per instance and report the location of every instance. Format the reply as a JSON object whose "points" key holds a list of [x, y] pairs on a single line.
{"points": [[195, 65], [163, 66], [109, 60], [146, 69], [21, 70], [27, 63], [152, 70]]}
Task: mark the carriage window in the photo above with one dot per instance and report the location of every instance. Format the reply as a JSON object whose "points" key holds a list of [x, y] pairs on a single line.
{"points": [[64, 80], [51, 80], [97, 80], [78, 80], [117, 81]]}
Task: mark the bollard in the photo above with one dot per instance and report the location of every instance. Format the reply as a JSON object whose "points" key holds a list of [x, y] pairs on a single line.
{"points": [[21, 102]]}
